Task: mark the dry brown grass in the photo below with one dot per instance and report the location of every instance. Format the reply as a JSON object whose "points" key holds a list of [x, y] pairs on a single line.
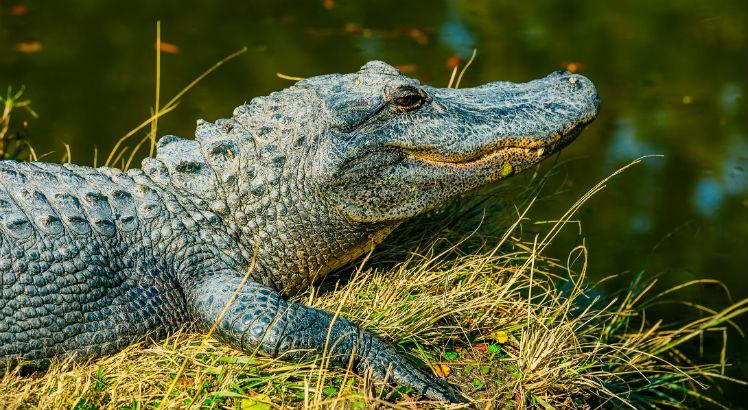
{"points": [[512, 328]]}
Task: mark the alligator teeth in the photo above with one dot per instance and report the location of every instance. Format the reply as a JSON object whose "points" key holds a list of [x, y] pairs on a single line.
{"points": [[528, 150], [540, 151]]}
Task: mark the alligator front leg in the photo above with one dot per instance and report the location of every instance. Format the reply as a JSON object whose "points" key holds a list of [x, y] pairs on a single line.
{"points": [[257, 319]]}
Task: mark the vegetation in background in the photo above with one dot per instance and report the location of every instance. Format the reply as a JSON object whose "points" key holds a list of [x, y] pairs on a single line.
{"points": [[13, 142]]}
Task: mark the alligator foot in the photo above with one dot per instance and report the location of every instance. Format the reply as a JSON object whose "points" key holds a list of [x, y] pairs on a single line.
{"points": [[260, 320]]}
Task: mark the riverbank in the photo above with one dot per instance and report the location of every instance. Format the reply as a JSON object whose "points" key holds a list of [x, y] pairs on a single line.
{"points": [[480, 304]]}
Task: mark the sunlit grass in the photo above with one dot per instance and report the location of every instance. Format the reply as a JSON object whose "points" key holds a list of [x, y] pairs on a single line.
{"points": [[13, 143], [511, 326]]}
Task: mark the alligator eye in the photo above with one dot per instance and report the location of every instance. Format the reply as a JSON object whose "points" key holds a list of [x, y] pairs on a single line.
{"points": [[407, 98], [408, 102]]}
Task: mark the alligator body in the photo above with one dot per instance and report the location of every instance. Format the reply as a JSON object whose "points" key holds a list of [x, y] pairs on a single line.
{"points": [[224, 228]]}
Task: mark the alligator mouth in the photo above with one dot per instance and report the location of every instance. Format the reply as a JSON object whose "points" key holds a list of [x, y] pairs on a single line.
{"points": [[528, 148], [477, 156]]}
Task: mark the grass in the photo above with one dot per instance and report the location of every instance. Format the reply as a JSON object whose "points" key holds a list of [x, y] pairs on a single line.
{"points": [[511, 328], [13, 143], [473, 297]]}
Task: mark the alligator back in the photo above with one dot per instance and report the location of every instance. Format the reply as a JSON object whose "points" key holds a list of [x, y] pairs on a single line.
{"points": [[79, 267]]}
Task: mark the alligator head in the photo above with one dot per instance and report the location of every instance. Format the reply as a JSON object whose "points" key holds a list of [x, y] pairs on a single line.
{"points": [[396, 148], [314, 175]]}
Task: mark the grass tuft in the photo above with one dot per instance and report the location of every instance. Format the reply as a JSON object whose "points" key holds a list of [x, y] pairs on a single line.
{"points": [[13, 144]]}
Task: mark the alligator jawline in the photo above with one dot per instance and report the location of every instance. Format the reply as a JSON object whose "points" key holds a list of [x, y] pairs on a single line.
{"points": [[477, 158]]}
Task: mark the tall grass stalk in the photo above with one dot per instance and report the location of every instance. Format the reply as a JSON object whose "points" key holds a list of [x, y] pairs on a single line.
{"points": [[119, 148]]}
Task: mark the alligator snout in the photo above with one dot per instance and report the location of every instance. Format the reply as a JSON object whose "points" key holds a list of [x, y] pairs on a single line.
{"points": [[538, 117], [580, 87]]}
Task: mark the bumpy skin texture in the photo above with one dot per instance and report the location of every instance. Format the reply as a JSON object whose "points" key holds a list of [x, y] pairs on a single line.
{"points": [[292, 186]]}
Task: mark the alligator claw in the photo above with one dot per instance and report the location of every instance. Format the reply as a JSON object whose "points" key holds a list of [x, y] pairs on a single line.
{"points": [[442, 391], [386, 364]]}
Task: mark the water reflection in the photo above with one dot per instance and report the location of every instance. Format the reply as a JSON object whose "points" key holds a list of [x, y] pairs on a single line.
{"points": [[625, 144], [455, 34], [730, 98], [729, 180], [707, 197]]}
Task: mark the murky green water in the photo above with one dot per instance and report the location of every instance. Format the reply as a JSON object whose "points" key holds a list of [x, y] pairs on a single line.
{"points": [[673, 81]]}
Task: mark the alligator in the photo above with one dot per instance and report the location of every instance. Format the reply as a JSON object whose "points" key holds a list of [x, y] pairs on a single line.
{"points": [[218, 232]]}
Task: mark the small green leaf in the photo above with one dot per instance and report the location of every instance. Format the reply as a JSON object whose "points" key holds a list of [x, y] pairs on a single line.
{"points": [[256, 402], [494, 348], [236, 360], [225, 393], [404, 389], [450, 356], [514, 371]]}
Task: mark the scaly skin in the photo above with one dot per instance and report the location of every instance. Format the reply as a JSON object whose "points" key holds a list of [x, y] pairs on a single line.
{"points": [[301, 182]]}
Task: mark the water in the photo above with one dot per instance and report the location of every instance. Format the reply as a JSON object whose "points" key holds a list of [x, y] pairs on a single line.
{"points": [[673, 81]]}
